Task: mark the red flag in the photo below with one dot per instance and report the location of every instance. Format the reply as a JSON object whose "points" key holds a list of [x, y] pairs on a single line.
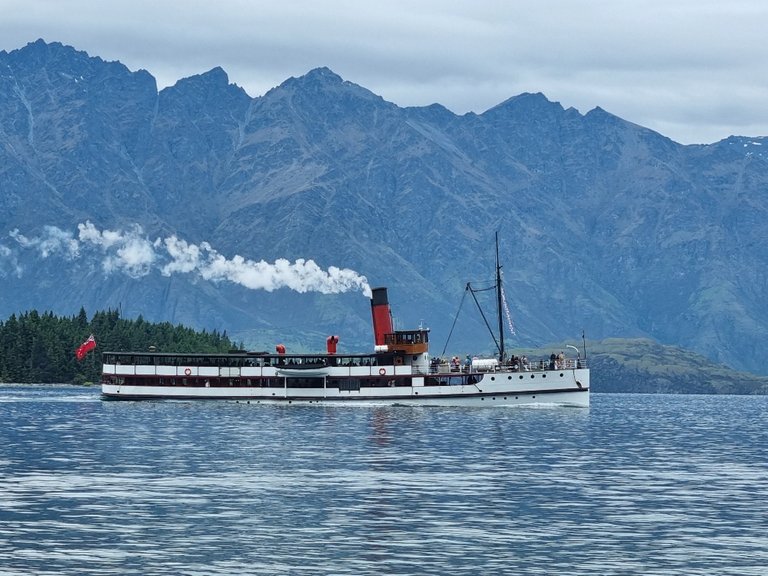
{"points": [[86, 347]]}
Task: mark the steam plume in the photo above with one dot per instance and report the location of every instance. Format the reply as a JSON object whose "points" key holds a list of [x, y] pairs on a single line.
{"points": [[131, 252]]}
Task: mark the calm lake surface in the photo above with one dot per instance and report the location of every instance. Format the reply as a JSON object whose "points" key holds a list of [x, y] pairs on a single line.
{"points": [[636, 484]]}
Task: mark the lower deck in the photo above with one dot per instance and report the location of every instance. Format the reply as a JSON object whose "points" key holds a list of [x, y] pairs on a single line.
{"points": [[557, 387]]}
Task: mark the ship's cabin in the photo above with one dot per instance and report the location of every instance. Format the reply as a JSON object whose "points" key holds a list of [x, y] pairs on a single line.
{"points": [[408, 341]]}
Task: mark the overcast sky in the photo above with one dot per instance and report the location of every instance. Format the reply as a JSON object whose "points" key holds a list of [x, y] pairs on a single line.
{"points": [[693, 70]]}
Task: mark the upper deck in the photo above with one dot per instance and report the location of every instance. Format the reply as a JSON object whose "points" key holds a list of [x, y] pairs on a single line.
{"points": [[260, 364]]}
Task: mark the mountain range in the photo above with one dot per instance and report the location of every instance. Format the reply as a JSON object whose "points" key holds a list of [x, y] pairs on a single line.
{"points": [[269, 217]]}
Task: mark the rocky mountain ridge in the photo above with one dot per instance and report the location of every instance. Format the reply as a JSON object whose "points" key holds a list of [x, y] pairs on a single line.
{"points": [[606, 226]]}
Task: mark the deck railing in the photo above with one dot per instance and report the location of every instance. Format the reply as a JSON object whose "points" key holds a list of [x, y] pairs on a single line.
{"points": [[196, 371], [531, 366]]}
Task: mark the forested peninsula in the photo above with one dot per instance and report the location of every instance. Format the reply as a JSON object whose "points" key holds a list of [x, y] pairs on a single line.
{"points": [[40, 348]]}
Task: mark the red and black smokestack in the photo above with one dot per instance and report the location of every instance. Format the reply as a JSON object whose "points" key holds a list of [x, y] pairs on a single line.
{"points": [[382, 316]]}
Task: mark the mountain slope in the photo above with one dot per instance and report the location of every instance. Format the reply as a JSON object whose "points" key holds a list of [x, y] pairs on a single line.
{"points": [[606, 226]]}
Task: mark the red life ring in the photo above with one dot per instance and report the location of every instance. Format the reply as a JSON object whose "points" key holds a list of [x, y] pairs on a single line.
{"points": [[187, 372], [382, 371]]}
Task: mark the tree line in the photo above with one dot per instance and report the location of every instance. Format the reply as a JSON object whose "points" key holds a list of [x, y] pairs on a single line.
{"points": [[40, 348]]}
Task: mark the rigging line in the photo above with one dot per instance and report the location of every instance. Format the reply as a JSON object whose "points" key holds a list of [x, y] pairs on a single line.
{"points": [[487, 325], [510, 324], [455, 319], [484, 286]]}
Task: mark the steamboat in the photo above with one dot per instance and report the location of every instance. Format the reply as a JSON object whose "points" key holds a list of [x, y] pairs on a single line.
{"points": [[399, 370]]}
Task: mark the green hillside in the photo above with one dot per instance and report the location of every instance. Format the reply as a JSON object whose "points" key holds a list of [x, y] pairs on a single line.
{"points": [[642, 365]]}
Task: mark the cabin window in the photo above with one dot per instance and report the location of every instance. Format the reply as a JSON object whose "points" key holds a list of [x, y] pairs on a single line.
{"points": [[448, 380], [346, 384], [305, 382]]}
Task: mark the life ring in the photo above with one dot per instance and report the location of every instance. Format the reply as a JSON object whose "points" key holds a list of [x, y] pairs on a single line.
{"points": [[187, 371], [382, 371]]}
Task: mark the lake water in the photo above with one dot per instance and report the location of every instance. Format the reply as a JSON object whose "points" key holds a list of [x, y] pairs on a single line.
{"points": [[635, 484]]}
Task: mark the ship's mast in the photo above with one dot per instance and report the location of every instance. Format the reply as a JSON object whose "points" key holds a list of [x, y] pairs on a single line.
{"points": [[498, 301]]}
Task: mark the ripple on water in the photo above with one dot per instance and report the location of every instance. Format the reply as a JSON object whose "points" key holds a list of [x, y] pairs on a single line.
{"points": [[634, 485]]}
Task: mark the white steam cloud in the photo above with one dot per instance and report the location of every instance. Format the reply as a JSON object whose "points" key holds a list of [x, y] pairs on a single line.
{"points": [[53, 241], [131, 252], [8, 262]]}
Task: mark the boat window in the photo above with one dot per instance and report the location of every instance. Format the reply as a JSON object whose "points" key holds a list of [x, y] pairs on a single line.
{"points": [[407, 337], [346, 384], [305, 382]]}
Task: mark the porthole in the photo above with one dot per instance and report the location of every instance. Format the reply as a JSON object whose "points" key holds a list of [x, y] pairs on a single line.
{"points": [[532, 376], [543, 375], [561, 374], [521, 376]]}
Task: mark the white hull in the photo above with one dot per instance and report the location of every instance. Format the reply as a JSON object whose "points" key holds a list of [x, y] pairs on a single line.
{"points": [[567, 387]]}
